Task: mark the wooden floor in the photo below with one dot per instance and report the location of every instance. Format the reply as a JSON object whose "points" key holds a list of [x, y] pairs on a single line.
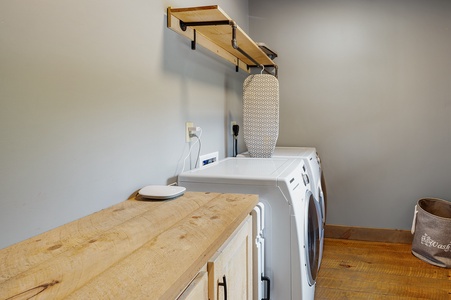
{"points": [[374, 270]]}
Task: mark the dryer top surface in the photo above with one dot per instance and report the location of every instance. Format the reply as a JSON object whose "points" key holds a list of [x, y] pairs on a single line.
{"points": [[294, 152], [304, 152], [240, 170]]}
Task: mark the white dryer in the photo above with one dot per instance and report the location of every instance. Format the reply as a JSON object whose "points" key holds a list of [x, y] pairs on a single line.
{"points": [[316, 175], [292, 217], [314, 170]]}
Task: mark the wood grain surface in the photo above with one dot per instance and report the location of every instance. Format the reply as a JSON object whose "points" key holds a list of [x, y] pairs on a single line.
{"points": [[127, 251], [377, 270], [220, 35]]}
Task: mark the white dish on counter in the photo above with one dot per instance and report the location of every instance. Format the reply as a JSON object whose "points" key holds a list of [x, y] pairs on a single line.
{"points": [[161, 192]]}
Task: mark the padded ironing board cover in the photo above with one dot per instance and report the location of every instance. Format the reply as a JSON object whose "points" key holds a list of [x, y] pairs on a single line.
{"points": [[261, 114]]}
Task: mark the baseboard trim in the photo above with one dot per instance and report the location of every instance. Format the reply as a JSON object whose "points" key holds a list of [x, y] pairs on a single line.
{"points": [[368, 234]]}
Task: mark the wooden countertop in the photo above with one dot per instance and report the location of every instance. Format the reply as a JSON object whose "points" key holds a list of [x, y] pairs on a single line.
{"points": [[132, 250]]}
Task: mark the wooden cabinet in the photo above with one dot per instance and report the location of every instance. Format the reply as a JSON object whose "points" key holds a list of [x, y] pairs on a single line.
{"points": [[228, 274], [230, 270], [198, 288], [132, 250]]}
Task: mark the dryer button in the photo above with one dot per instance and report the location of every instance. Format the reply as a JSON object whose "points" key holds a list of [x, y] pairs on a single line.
{"points": [[306, 179]]}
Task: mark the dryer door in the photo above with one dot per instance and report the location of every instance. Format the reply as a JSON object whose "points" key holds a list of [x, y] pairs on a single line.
{"points": [[312, 236]]}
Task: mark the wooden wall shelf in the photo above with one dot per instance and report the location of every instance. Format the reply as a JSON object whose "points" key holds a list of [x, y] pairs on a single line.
{"points": [[212, 28]]}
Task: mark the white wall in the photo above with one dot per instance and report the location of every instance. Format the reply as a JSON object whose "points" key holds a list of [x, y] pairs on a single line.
{"points": [[94, 96], [369, 84]]}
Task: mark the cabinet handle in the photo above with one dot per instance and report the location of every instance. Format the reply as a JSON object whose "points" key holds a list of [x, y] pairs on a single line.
{"points": [[224, 284], [268, 287]]}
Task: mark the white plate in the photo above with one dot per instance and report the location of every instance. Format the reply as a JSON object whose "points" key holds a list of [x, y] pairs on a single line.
{"points": [[161, 192]]}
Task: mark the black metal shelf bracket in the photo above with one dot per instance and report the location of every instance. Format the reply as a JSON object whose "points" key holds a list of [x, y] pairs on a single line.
{"points": [[193, 42], [184, 26]]}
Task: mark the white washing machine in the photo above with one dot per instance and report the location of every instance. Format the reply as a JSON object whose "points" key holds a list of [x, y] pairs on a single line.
{"points": [[316, 175], [292, 217]]}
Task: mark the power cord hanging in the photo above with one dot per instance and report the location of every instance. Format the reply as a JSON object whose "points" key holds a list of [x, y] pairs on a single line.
{"points": [[235, 129], [190, 148], [198, 150]]}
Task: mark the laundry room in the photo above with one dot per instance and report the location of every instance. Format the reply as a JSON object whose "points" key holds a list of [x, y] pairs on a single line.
{"points": [[97, 99]]}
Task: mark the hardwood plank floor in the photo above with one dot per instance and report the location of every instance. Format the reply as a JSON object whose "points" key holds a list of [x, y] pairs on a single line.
{"points": [[374, 270]]}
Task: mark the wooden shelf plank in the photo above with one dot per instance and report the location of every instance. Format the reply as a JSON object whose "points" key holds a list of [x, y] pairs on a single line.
{"points": [[218, 38]]}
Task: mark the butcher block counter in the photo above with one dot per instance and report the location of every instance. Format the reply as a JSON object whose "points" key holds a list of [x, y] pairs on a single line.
{"points": [[133, 250]]}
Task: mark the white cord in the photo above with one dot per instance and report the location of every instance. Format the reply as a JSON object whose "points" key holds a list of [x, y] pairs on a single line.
{"points": [[190, 148]]}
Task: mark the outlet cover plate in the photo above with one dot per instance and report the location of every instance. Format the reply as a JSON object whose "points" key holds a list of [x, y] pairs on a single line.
{"points": [[188, 125], [207, 159]]}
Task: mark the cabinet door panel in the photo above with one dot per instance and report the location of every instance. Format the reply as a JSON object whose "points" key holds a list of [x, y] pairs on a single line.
{"points": [[234, 262], [198, 288]]}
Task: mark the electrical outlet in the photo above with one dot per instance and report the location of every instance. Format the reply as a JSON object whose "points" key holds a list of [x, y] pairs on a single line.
{"points": [[187, 126], [231, 127]]}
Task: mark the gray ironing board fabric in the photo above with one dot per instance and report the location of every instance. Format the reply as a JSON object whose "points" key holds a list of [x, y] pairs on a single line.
{"points": [[261, 114]]}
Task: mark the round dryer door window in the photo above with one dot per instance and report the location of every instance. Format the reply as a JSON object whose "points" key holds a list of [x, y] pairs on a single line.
{"points": [[312, 235]]}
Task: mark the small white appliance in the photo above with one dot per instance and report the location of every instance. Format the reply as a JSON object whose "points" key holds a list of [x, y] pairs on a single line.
{"points": [[161, 192], [292, 218]]}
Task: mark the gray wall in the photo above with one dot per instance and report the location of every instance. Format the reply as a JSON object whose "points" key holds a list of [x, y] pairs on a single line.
{"points": [[369, 84], [94, 96]]}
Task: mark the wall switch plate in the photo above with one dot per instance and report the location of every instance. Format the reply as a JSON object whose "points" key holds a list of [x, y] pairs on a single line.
{"points": [[207, 159], [187, 126]]}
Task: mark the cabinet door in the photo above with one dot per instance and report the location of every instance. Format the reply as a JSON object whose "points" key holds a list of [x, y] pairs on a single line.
{"points": [[197, 289], [230, 270]]}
